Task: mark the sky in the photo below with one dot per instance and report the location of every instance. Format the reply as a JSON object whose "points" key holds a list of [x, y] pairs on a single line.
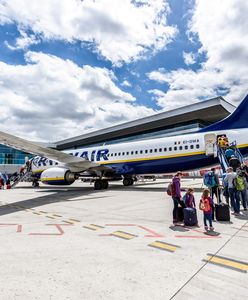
{"points": [[69, 67]]}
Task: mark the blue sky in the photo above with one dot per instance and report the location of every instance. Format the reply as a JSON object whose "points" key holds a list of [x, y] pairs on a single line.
{"points": [[69, 67]]}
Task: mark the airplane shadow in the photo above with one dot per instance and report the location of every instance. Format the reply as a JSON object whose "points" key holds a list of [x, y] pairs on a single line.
{"points": [[57, 196]]}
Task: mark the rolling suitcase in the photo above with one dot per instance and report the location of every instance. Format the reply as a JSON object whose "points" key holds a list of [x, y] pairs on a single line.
{"points": [[222, 212], [180, 214], [190, 217]]}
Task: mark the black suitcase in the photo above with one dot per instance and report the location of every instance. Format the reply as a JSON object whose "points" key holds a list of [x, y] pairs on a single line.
{"points": [[190, 217], [180, 214], [222, 212]]}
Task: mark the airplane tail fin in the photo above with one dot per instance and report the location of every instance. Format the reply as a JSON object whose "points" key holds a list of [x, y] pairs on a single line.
{"points": [[238, 119]]}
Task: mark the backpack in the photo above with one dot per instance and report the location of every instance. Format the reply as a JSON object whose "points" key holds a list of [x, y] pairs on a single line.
{"points": [[204, 205], [170, 189], [240, 183], [209, 179]]}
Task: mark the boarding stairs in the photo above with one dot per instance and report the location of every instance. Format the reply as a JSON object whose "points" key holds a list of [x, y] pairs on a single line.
{"points": [[18, 178], [223, 160]]}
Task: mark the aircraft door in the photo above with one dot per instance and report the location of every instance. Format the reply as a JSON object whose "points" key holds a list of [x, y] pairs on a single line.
{"points": [[210, 144]]}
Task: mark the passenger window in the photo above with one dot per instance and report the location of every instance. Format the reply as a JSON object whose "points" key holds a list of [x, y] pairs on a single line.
{"points": [[165, 149], [155, 150], [160, 149], [180, 148], [191, 146], [115, 154], [175, 148], [197, 146], [127, 153], [119, 154], [146, 151], [123, 153], [186, 147], [131, 152], [150, 150], [141, 151], [136, 152], [170, 148]]}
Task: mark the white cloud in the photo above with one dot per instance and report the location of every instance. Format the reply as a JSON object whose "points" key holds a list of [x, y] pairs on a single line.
{"points": [[50, 98], [189, 58], [126, 83], [120, 30], [24, 41], [221, 27]]}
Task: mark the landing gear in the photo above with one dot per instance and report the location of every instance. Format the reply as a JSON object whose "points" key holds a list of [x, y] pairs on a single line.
{"points": [[35, 183], [128, 181], [100, 184]]}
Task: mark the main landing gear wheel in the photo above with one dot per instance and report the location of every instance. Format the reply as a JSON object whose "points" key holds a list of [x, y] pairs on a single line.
{"points": [[101, 184], [35, 183], [128, 181]]}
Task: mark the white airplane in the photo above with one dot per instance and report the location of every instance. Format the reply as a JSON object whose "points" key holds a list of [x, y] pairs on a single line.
{"points": [[126, 160]]}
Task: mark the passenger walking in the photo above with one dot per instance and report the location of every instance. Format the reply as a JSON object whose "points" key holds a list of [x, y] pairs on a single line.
{"points": [[234, 163], [206, 204], [244, 169], [176, 196], [211, 180], [1, 183], [241, 189], [189, 199], [225, 188], [230, 179], [229, 152]]}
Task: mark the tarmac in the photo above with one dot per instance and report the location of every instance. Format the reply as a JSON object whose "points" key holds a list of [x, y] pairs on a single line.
{"points": [[75, 243]]}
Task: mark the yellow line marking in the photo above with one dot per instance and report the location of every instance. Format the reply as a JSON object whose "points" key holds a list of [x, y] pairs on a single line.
{"points": [[50, 217], [55, 215], [68, 222], [43, 212], [93, 227], [123, 235], [28, 209], [164, 246], [229, 263], [74, 220], [36, 213]]}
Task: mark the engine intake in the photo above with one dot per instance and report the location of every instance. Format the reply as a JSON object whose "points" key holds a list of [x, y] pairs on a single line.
{"points": [[57, 176]]}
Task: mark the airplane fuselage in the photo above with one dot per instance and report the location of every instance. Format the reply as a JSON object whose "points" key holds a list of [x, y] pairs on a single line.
{"points": [[153, 156]]}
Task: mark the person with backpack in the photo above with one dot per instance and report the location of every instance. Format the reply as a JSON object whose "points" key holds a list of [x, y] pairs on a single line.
{"points": [[206, 204], [189, 199], [231, 182], [241, 189], [176, 196], [234, 163], [211, 180]]}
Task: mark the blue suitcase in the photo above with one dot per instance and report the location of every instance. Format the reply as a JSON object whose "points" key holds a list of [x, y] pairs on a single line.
{"points": [[190, 216]]}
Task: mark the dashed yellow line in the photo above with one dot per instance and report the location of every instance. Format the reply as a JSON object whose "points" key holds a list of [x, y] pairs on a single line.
{"points": [[227, 262], [36, 213], [74, 220], [50, 217], [68, 222], [123, 235], [55, 215], [164, 246], [93, 227]]}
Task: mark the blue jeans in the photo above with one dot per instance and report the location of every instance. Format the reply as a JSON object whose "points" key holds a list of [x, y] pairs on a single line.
{"points": [[234, 199], [243, 197], [209, 218]]}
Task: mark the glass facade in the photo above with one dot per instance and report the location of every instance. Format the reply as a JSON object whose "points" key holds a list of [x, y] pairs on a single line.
{"points": [[10, 156]]}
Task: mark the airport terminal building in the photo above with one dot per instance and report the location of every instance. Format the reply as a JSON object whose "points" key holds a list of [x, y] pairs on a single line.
{"points": [[174, 122]]}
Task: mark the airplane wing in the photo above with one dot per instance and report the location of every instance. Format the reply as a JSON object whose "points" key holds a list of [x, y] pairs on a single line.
{"points": [[75, 162]]}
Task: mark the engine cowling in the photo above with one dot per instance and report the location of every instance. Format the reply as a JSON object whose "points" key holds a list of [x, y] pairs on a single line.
{"points": [[57, 176]]}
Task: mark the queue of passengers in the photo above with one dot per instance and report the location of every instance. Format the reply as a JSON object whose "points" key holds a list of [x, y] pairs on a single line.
{"points": [[235, 185]]}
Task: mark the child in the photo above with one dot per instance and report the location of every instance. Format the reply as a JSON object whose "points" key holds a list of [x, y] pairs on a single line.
{"points": [[206, 204], [189, 199]]}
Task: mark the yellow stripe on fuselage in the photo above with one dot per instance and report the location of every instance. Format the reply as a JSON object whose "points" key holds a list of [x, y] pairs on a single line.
{"points": [[52, 179], [152, 158]]}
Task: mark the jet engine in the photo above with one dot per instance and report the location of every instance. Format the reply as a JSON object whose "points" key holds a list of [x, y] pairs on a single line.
{"points": [[57, 176]]}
